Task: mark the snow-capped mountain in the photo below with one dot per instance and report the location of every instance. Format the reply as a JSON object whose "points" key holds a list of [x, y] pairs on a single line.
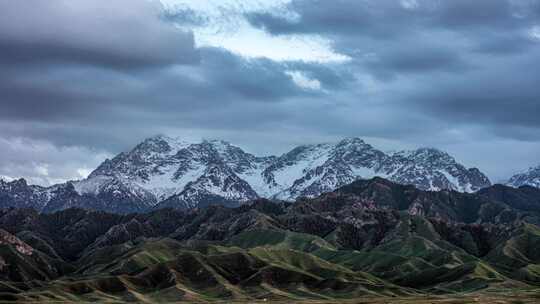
{"points": [[18, 193], [168, 172], [177, 172], [322, 168], [531, 177], [162, 168]]}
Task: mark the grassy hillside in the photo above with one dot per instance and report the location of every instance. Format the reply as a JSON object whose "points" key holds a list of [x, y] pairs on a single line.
{"points": [[336, 247]]}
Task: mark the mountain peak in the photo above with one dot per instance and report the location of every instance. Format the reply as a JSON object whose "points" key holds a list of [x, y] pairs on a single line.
{"points": [[5, 179], [221, 146], [217, 142], [533, 169], [21, 182], [422, 151], [163, 167], [161, 144], [425, 154], [352, 141], [430, 150], [530, 177], [163, 137]]}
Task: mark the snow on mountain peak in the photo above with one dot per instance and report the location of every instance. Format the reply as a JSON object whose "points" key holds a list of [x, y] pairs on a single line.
{"points": [[530, 177], [161, 144], [353, 141], [168, 171]]}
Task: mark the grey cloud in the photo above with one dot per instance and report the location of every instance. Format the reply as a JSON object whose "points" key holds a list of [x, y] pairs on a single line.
{"points": [[251, 78], [377, 19], [459, 62], [419, 58], [118, 34], [501, 96], [42, 163], [492, 14], [429, 75], [430, 27], [504, 44], [387, 18], [185, 16], [95, 107]]}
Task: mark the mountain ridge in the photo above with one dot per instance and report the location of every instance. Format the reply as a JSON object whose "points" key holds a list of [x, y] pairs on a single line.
{"points": [[168, 171], [529, 177], [371, 237]]}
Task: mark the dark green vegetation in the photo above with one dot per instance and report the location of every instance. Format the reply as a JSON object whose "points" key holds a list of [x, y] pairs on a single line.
{"points": [[373, 241]]}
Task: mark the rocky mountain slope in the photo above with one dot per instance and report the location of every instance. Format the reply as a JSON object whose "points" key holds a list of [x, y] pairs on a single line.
{"points": [[369, 238], [531, 177], [168, 172]]}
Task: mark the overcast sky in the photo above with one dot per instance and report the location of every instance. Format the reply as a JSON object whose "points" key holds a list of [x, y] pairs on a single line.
{"points": [[83, 80]]}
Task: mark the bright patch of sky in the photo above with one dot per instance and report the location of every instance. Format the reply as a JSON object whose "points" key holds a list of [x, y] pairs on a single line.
{"points": [[227, 27], [303, 81], [535, 32], [83, 172], [42, 169], [409, 4], [50, 164]]}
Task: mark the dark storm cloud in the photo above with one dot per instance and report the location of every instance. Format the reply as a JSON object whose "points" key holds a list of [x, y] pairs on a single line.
{"points": [[255, 79], [117, 34], [385, 19], [84, 73], [503, 44], [405, 31], [472, 62], [390, 61], [185, 16], [93, 106], [463, 14], [105, 74], [460, 74], [501, 96]]}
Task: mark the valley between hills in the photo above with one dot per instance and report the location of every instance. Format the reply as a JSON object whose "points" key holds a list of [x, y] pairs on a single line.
{"points": [[372, 241]]}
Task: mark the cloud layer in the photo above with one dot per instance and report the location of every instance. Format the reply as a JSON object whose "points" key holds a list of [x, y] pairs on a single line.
{"points": [[113, 34], [90, 79]]}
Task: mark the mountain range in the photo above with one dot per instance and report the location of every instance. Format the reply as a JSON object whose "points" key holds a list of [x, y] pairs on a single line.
{"points": [[165, 172], [168, 172], [373, 239], [530, 177]]}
